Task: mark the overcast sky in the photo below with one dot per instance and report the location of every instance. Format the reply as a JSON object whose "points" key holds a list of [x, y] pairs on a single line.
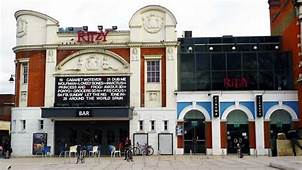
{"points": [[203, 17]]}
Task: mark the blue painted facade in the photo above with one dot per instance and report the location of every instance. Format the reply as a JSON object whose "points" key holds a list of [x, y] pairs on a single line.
{"points": [[248, 104]]}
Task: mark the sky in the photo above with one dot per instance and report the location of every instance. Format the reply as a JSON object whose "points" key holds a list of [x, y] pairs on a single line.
{"points": [[204, 17]]}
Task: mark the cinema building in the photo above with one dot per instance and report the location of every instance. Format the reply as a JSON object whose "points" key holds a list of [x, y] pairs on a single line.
{"points": [[76, 86], [182, 96], [233, 90]]}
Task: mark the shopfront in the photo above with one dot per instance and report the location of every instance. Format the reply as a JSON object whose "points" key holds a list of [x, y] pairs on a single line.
{"points": [[90, 110]]}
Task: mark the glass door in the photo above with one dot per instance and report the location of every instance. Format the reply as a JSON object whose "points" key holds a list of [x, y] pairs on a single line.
{"points": [[194, 136]]}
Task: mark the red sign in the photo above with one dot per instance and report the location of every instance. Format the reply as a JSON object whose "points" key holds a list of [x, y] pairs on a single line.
{"points": [[236, 83], [92, 36]]}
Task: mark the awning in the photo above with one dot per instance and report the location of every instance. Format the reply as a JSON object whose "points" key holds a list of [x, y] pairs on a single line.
{"points": [[93, 112], [4, 125]]}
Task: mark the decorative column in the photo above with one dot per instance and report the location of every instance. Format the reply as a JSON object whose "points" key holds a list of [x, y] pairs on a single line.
{"points": [[50, 68], [260, 144], [216, 142]]}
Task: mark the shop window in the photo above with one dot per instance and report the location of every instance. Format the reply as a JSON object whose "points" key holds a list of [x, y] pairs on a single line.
{"points": [[165, 125], [141, 125], [23, 124], [25, 72], [41, 124], [152, 125], [153, 71]]}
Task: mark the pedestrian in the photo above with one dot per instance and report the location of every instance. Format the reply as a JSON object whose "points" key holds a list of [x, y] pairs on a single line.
{"points": [[293, 137], [128, 152], [80, 154], [7, 150]]}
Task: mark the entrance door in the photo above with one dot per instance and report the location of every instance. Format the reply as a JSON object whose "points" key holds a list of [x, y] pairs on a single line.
{"points": [[280, 122], [194, 136], [103, 133], [237, 133]]}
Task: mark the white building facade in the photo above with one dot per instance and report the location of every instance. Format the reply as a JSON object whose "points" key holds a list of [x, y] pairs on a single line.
{"points": [[76, 86]]}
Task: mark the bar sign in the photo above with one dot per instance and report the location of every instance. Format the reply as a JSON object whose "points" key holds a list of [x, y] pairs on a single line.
{"points": [[84, 113]]}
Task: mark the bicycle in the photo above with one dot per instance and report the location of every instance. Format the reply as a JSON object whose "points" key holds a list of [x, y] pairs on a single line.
{"points": [[145, 149]]}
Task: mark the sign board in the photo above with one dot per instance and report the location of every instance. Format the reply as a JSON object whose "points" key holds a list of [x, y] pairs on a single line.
{"points": [[92, 36], [92, 91], [179, 130], [84, 113]]}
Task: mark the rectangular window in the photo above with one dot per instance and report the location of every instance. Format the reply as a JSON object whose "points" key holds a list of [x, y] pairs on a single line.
{"points": [[25, 72], [23, 124], [141, 125], [165, 125], [14, 125], [152, 124], [41, 124], [153, 71]]}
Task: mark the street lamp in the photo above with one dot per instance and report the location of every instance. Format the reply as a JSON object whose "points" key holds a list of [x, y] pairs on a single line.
{"points": [[11, 79]]}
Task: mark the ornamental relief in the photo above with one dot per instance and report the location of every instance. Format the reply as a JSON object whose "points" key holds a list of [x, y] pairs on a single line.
{"points": [[153, 23], [21, 27], [93, 63]]}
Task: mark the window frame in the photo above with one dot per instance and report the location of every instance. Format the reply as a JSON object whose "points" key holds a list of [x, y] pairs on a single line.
{"points": [[152, 125], [23, 125], [25, 73], [141, 125], [166, 125], [41, 124]]}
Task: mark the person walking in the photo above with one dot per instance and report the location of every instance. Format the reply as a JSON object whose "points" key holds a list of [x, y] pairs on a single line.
{"points": [[128, 152], [80, 154], [293, 137]]}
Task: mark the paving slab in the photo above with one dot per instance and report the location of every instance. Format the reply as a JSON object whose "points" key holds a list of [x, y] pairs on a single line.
{"points": [[177, 162]]}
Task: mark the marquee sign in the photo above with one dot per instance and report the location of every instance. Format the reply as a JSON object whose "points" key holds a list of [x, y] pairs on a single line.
{"points": [[92, 91], [92, 36]]}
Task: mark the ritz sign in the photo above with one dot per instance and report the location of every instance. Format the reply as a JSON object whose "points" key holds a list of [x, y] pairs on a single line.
{"points": [[92, 36]]}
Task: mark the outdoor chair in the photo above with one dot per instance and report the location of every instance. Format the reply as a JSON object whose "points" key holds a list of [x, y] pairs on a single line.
{"points": [[95, 151], [46, 150], [73, 150], [113, 151]]}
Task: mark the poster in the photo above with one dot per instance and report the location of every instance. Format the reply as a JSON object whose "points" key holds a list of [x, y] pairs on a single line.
{"points": [[39, 141]]}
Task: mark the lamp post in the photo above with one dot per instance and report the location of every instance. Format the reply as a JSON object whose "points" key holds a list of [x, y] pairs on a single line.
{"points": [[11, 79]]}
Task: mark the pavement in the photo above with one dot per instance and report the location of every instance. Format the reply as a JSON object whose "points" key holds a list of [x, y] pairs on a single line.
{"points": [[187, 162]]}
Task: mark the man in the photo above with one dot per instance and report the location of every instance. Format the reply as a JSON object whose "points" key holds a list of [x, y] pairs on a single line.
{"points": [[128, 152], [293, 136], [80, 154]]}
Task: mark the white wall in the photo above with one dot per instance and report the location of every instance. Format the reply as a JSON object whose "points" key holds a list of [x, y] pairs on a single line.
{"points": [[159, 115], [22, 140]]}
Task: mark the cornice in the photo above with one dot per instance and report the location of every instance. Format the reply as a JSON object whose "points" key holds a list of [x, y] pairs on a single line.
{"points": [[97, 46]]}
